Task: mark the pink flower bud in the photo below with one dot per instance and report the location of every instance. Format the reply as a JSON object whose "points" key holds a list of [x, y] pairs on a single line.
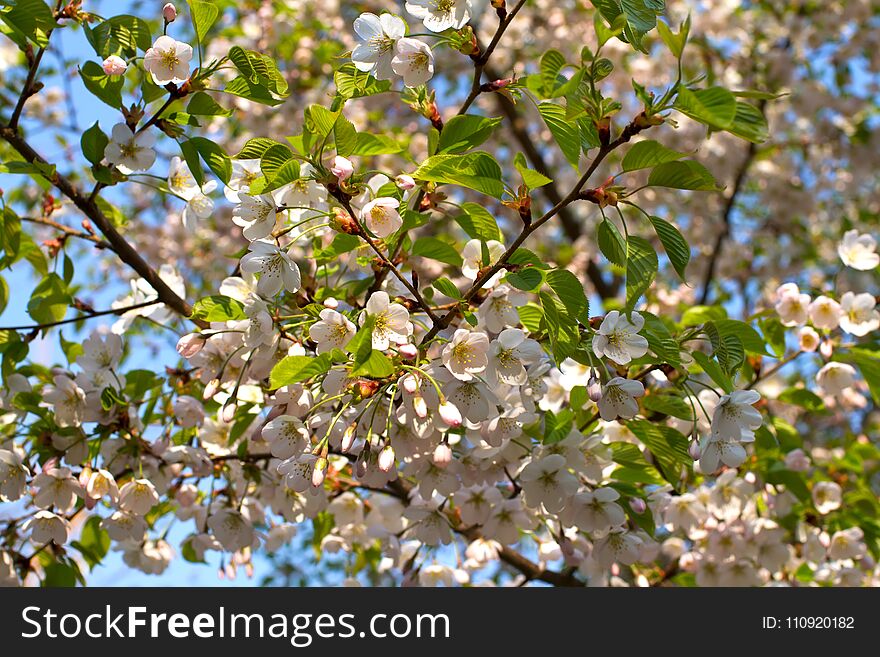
{"points": [[408, 351], [410, 384], [211, 389], [594, 388], [190, 344], [442, 455], [114, 65], [826, 348], [348, 436], [332, 303], [638, 505], [694, 450], [450, 414], [420, 407], [342, 168], [405, 182], [319, 472], [360, 466], [169, 13], [229, 412], [386, 458]]}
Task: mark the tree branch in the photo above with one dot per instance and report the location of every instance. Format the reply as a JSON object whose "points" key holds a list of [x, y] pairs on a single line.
{"points": [[67, 230], [71, 320], [126, 252]]}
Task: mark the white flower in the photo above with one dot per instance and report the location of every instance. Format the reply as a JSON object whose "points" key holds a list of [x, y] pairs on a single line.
{"points": [[618, 546], [827, 496], [255, 214], [858, 251], [56, 488], [791, 305], [618, 338], [825, 313], [287, 436], [332, 331], [189, 411], [101, 483], [382, 217], [848, 544], [859, 315], [685, 512], [68, 401], [440, 15], [128, 151], [808, 339], [547, 481], [735, 418], [499, 309], [390, 320], [168, 61], [100, 352], [619, 399], [472, 255], [466, 354], [414, 62], [13, 476], [797, 460], [114, 65], [834, 378], [138, 497], [297, 471], [379, 35], [510, 352], [713, 452], [275, 267], [594, 511], [141, 292], [232, 529], [45, 526], [123, 526]]}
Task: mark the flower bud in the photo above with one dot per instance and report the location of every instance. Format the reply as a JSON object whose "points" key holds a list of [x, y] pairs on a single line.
{"points": [[450, 414], [342, 168], [826, 349], [410, 384], [229, 412], [694, 450], [169, 12], [331, 302], [638, 505], [420, 407], [442, 455], [114, 65], [408, 351], [594, 388], [360, 466], [211, 389], [405, 182], [348, 436], [190, 344], [386, 458], [318, 472]]}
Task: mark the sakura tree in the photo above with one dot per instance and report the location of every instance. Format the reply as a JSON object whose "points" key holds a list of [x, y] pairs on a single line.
{"points": [[447, 292]]}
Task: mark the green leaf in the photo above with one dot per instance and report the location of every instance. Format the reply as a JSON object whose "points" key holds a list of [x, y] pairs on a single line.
{"points": [[527, 279], [728, 347], [531, 178], [669, 447], [50, 300], [259, 69], [296, 369], [120, 35], [750, 338], [557, 426], [93, 143], [714, 107], [675, 42], [108, 89], [368, 144], [749, 123], [647, 154], [94, 542], [214, 157], [869, 365], [204, 15], [674, 243], [683, 175], [478, 171], [436, 249], [552, 63], [713, 370], [377, 366], [464, 132], [248, 90], [569, 290], [4, 294], [202, 104], [478, 223], [641, 268], [351, 83], [255, 148], [33, 18], [668, 404], [696, 315], [218, 308], [611, 243], [565, 132], [191, 156], [803, 398], [447, 287]]}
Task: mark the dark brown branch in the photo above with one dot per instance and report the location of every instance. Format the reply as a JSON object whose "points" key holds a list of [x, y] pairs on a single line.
{"points": [[72, 320]]}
